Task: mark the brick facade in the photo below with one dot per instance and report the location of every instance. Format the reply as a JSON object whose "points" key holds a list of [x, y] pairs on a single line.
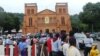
{"points": [[35, 21]]}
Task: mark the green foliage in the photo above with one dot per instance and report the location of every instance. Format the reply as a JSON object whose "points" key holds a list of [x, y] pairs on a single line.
{"points": [[17, 24], [9, 21], [19, 15], [91, 16], [77, 24], [2, 18]]}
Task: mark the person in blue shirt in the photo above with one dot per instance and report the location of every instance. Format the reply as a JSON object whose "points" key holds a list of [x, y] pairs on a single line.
{"points": [[8, 41], [54, 47], [56, 44], [23, 47]]}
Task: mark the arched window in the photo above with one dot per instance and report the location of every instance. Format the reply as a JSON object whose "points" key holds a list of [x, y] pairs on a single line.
{"points": [[60, 10], [62, 20], [42, 19], [55, 20], [30, 21], [51, 20], [64, 10], [28, 11], [32, 11]]}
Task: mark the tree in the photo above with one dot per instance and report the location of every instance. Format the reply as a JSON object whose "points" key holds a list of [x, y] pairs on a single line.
{"points": [[77, 24], [91, 16], [1, 9], [2, 18], [16, 24], [9, 21]]}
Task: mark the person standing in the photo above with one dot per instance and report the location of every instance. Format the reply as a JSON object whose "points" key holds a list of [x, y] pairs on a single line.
{"points": [[60, 43], [80, 36], [94, 51], [8, 41], [73, 51], [53, 32], [65, 47], [88, 44], [28, 41], [55, 45], [23, 47], [1, 42], [49, 44]]}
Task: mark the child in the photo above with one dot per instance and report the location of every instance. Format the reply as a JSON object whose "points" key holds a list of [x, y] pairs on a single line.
{"points": [[94, 51]]}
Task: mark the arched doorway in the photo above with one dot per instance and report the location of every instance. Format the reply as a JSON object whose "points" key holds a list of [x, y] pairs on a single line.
{"points": [[47, 31]]}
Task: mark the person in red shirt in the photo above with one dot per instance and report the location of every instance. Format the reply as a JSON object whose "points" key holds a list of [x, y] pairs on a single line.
{"points": [[49, 44]]}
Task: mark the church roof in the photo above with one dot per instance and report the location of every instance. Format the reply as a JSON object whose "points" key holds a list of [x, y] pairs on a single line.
{"points": [[46, 11]]}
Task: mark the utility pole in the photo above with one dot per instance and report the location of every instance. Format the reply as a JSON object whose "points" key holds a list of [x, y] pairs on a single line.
{"points": [[92, 28]]}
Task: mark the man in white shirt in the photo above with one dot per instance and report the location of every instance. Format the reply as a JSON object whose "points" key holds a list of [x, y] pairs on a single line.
{"points": [[80, 36], [73, 51], [65, 47], [88, 44]]}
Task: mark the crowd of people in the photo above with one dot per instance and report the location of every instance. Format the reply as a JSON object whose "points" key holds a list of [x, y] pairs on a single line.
{"points": [[54, 43]]}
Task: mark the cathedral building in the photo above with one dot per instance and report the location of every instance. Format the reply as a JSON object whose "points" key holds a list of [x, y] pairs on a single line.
{"points": [[35, 21]]}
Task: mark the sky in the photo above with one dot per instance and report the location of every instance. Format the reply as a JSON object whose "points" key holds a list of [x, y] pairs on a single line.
{"points": [[17, 6]]}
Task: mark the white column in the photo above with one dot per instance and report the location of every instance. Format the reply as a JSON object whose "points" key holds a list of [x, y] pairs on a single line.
{"points": [[29, 50], [2, 50], [11, 50], [35, 50]]}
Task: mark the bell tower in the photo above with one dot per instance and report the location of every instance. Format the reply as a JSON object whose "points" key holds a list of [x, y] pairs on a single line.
{"points": [[63, 16], [29, 17], [61, 8], [30, 8]]}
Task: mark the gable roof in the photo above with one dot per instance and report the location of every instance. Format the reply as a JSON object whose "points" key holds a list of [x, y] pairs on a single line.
{"points": [[46, 11]]}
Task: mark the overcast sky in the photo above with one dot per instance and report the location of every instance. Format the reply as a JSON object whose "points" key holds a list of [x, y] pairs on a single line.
{"points": [[17, 6]]}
